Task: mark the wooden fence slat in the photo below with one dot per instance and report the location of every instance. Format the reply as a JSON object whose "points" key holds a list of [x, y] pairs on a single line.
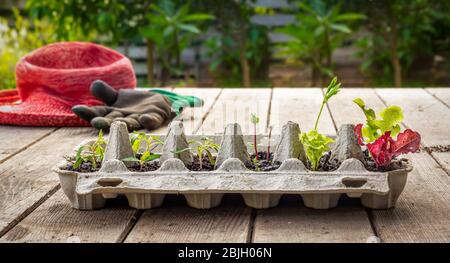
{"points": [[231, 221], [291, 221], [14, 138], [56, 221]]}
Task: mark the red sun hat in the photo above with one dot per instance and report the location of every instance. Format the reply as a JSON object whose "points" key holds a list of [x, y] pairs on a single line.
{"points": [[53, 78]]}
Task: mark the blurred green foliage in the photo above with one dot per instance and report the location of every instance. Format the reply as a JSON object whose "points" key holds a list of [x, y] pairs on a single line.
{"points": [[17, 39], [404, 36], [318, 30], [172, 28]]}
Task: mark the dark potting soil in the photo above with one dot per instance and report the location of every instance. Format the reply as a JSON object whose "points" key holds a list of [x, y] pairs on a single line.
{"points": [[265, 164], [205, 166], [146, 167], [83, 168], [397, 163]]}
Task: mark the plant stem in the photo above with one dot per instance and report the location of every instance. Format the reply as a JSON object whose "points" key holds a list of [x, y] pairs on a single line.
{"points": [[268, 144], [318, 116], [254, 142]]}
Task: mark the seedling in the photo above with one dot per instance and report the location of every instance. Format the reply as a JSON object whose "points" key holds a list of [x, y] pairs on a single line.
{"points": [[268, 143], [316, 144], [206, 146], [93, 153], [255, 120], [147, 155], [378, 134]]}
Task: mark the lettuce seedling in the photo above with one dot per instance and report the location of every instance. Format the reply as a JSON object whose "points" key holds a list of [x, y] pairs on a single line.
{"points": [[391, 117], [317, 144], [378, 134]]}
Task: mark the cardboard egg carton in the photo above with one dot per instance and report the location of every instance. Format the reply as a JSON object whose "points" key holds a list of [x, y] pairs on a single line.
{"points": [[205, 189]]}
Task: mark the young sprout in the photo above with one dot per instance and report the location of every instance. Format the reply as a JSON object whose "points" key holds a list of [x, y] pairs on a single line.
{"points": [[255, 120], [315, 143], [92, 153], [206, 146], [268, 143], [149, 141]]}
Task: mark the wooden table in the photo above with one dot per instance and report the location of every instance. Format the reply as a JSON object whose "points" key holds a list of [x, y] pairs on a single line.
{"points": [[34, 209]]}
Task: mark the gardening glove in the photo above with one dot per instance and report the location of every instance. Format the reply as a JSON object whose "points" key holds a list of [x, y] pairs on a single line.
{"points": [[137, 108]]}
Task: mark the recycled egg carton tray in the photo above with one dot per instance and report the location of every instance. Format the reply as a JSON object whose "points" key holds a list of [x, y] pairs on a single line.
{"points": [[205, 189]]}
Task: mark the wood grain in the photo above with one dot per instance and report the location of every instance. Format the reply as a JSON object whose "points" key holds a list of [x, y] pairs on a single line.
{"points": [[423, 113], [231, 221], [15, 138], [27, 179], [292, 222], [176, 222], [236, 105], [301, 106], [56, 221], [443, 94], [193, 117], [422, 213]]}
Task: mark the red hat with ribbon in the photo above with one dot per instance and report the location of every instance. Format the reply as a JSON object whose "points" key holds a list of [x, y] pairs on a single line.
{"points": [[52, 79]]}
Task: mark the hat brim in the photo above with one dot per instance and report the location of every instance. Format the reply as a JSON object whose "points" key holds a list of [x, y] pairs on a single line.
{"points": [[44, 111]]}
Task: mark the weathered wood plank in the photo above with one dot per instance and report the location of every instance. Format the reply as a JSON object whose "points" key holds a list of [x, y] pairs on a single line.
{"points": [[422, 213], [291, 221], [443, 94], [301, 106], [56, 221], [236, 105], [423, 210], [176, 222], [15, 138], [230, 222], [423, 113], [193, 117], [26, 179]]}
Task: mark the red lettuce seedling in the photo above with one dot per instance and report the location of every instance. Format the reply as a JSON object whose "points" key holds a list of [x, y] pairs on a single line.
{"points": [[379, 135]]}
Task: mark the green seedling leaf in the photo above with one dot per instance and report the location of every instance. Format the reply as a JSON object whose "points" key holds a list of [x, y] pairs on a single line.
{"points": [[78, 158], [315, 145], [131, 159], [391, 117], [254, 118], [181, 150]]}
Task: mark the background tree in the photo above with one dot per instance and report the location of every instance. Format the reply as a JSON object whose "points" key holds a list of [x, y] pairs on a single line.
{"points": [[318, 30]]}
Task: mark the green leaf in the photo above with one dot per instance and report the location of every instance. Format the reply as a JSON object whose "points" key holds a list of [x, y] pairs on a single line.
{"points": [[333, 89], [181, 150], [350, 17], [189, 28], [370, 114], [391, 117], [197, 17], [131, 159], [315, 145], [78, 158], [341, 28], [254, 118], [151, 157]]}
